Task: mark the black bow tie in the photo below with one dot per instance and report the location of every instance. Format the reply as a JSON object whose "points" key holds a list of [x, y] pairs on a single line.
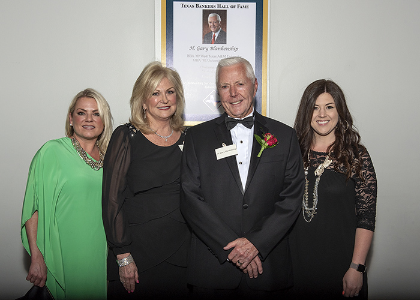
{"points": [[247, 122]]}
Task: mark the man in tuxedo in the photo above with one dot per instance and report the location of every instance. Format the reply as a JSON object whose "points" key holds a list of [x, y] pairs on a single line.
{"points": [[216, 35], [240, 206]]}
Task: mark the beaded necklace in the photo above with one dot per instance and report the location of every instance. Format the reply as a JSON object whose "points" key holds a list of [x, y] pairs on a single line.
{"points": [[309, 212], [96, 165]]}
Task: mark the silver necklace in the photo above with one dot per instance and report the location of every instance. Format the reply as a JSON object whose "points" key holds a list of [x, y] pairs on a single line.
{"points": [[96, 165], [162, 136], [310, 212]]}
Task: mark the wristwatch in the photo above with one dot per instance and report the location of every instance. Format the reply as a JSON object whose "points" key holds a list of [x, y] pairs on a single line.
{"points": [[358, 267]]}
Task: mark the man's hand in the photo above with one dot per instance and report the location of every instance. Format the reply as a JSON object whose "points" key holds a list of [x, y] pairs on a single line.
{"points": [[244, 256], [254, 268]]}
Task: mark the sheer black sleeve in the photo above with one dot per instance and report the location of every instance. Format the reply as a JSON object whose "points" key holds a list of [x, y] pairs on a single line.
{"points": [[115, 190], [366, 193]]}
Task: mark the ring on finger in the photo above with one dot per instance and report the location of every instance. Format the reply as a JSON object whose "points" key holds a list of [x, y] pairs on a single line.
{"points": [[239, 263]]}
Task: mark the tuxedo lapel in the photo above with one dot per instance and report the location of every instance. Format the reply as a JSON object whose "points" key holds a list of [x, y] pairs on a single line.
{"points": [[224, 137], [259, 129]]}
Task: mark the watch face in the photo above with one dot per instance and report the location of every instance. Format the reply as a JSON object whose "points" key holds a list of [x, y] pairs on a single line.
{"points": [[358, 267]]}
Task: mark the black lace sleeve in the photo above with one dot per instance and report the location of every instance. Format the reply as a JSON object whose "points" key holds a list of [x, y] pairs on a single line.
{"points": [[115, 190], [366, 192]]}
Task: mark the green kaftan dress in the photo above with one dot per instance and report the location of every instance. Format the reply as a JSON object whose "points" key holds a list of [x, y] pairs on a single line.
{"points": [[67, 193]]}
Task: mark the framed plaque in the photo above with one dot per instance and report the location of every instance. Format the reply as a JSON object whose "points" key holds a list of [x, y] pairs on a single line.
{"points": [[192, 36]]}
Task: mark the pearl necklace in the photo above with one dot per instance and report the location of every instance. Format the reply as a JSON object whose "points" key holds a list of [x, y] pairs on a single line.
{"points": [[96, 165], [309, 212]]}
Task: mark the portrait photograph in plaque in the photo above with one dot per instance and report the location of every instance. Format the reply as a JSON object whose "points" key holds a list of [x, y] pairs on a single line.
{"points": [[214, 29], [192, 36]]}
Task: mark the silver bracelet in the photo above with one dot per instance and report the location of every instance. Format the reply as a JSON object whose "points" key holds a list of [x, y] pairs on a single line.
{"points": [[125, 261]]}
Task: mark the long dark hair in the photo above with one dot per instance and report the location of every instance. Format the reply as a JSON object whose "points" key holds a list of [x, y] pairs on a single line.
{"points": [[346, 148]]}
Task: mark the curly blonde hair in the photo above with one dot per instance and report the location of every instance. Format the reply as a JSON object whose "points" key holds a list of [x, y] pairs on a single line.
{"points": [[145, 85]]}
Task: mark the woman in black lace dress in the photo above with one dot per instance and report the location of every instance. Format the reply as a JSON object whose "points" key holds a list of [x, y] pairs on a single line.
{"points": [[332, 236], [146, 233]]}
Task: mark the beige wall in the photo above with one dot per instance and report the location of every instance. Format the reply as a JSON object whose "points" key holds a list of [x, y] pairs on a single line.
{"points": [[50, 50]]}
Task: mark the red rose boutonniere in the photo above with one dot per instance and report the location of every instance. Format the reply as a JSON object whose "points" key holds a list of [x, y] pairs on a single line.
{"points": [[266, 141]]}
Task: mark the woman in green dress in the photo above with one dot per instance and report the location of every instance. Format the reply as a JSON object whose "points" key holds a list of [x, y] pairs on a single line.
{"points": [[62, 225]]}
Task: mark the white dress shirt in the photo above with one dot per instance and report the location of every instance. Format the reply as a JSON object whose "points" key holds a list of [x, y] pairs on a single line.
{"points": [[243, 138], [216, 34]]}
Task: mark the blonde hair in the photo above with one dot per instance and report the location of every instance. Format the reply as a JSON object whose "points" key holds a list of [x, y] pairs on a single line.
{"points": [[104, 113], [143, 89]]}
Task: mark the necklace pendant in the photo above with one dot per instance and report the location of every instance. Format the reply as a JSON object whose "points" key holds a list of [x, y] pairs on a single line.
{"points": [[163, 136], [319, 170], [310, 212]]}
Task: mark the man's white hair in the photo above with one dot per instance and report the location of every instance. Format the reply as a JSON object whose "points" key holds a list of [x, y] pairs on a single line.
{"points": [[215, 15], [230, 61]]}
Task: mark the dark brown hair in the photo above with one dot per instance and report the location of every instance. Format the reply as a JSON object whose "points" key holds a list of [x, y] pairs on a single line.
{"points": [[346, 148]]}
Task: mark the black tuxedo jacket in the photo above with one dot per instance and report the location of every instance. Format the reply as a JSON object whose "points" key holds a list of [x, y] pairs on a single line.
{"points": [[219, 211], [221, 38]]}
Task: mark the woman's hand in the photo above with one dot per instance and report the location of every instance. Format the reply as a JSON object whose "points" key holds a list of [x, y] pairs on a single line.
{"points": [[353, 279], [37, 271], [128, 274], [352, 283]]}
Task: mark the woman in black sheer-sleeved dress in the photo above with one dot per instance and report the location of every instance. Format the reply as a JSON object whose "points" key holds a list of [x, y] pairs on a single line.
{"points": [[146, 233]]}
